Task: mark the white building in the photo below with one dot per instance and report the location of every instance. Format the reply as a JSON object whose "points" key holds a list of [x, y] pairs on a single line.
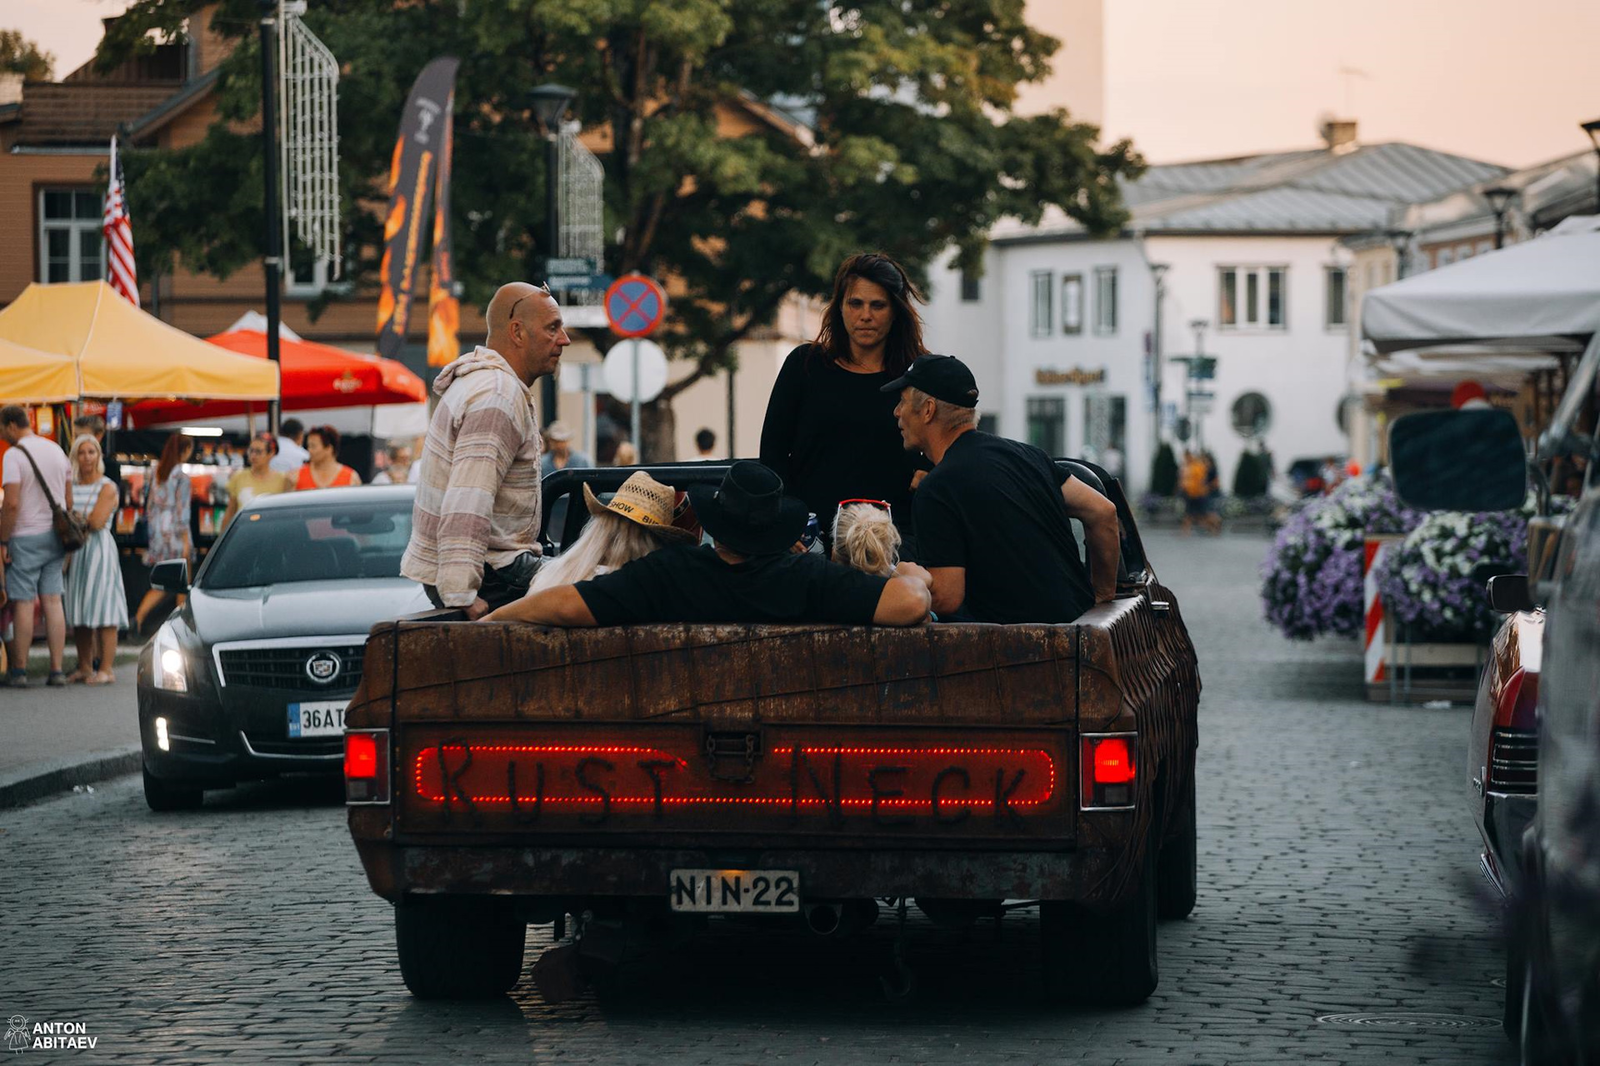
{"points": [[1062, 327]]}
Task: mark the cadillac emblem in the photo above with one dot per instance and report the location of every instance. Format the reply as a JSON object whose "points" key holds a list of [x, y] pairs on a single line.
{"points": [[323, 667]]}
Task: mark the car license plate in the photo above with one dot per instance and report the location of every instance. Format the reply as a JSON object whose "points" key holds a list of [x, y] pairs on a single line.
{"points": [[736, 891], [323, 718]]}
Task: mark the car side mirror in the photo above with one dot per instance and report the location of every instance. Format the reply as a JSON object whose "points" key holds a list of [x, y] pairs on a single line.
{"points": [[1471, 460], [1509, 593], [172, 575]]}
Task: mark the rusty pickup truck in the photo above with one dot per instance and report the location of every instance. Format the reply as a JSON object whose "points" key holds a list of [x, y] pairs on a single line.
{"points": [[501, 775]]}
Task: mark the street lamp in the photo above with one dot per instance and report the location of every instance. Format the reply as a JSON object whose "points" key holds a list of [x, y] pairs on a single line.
{"points": [[1592, 128], [1499, 198], [1400, 241], [1158, 271], [549, 104]]}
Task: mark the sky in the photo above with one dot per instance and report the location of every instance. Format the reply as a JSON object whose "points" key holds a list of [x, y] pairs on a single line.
{"points": [[1193, 79]]}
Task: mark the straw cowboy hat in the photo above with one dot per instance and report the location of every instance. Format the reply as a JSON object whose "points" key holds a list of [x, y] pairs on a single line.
{"points": [[645, 501]]}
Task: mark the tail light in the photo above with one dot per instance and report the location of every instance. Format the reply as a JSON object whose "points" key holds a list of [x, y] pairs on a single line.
{"points": [[1518, 703], [1514, 740], [1108, 767], [366, 766]]}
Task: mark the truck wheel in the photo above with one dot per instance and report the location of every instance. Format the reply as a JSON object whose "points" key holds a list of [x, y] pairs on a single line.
{"points": [[1108, 960], [452, 948], [1178, 869], [165, 796]]}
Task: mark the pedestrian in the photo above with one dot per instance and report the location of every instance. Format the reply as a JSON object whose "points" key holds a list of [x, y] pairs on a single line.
{"points": [[96, 426], [166, 516], [1213, 508], [36, 474], [475, 523], [256, 479], [324, 470], [1113, 462], [705, 443], [1192, 486], [865, 537], [290, 456], [994, 516], [398, 470], [830, 431], [642, 516], [749, 573], [625, 455], [559, 452], [95, 602]]}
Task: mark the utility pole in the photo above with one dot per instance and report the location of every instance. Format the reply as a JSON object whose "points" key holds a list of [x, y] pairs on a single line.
{"points": [[273, 260]]}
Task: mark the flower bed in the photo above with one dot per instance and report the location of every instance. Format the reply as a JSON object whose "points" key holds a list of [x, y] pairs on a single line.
{"points": [[1311, 581]]}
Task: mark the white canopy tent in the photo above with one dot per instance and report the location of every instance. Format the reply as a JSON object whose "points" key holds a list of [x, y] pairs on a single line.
{"points": [[1538, 297]]}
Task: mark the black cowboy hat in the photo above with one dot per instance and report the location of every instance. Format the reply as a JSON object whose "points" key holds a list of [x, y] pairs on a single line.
{"points": [[748, 513]]}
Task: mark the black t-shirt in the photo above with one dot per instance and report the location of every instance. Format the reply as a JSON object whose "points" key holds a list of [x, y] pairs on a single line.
{"points": [[831, 435], [994, 506], [693, 584]]}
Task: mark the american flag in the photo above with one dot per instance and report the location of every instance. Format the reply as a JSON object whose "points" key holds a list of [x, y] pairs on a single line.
{"points": [[118, 229]]}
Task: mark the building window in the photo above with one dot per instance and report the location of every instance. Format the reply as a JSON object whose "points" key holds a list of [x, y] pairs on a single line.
{"points": [[1047, 424], [989, 423], [1105, 299], [1485, 246], [1444, 257], [1072, 303], [1337, 297], [307, 275], [1252, 297], [1105, 429], [970, 293], [71, 247], [1040, 314]]}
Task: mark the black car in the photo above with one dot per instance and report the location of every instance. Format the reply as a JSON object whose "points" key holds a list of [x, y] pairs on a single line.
{"points": [[250, 678]]}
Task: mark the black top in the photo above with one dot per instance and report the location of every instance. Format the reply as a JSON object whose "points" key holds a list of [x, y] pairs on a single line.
{"points": [[831, 435], [994, 506], [680, 583]]}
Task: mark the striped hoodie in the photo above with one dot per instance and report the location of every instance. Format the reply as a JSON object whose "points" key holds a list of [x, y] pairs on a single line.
{"points": [[478, 494]]}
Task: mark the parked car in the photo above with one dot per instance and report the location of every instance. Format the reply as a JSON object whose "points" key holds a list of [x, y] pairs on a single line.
{"points": [[250, 678], [1474, 460]]}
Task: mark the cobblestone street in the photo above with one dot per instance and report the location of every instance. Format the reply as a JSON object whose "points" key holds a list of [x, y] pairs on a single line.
{"points": [[1338, 866]]}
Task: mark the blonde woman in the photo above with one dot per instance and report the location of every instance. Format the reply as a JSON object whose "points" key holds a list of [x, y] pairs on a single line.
{"points": [[865, 537], [644, 515], [95, 602]]}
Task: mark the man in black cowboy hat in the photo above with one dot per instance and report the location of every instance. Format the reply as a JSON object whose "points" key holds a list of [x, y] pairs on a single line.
{"points": [[994, 515], [751, 573]]}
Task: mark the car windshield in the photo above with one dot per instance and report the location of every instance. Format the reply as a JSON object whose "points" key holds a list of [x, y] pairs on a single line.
{"points": [[279, 545]]}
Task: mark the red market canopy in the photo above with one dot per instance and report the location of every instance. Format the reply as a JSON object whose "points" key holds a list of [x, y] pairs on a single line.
{"points": [[315, 376]]}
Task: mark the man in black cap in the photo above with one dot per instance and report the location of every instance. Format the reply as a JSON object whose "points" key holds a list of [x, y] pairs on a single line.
{"points": [[994, 516], [750, 574]]}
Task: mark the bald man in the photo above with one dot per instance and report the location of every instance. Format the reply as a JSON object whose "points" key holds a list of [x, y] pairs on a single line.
{"points": [[475, 523]]}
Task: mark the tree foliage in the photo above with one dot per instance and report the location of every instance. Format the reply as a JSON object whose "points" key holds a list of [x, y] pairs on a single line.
{"points": [[18, 55], [908, 143]]}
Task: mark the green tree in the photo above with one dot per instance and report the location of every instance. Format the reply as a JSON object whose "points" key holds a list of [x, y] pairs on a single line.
{"points": [[909, 142], [1164, 471], [1250, 476], [18, 55]]}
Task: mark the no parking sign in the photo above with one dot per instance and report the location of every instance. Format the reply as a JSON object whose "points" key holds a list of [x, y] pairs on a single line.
{"points": [[635, 305]]}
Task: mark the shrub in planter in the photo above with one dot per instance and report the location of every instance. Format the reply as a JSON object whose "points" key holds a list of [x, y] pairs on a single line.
{"points": [[1311, 580], [1164, 472], [1250, 476]]}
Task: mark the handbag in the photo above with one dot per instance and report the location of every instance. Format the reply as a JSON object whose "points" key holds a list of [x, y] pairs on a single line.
{"points": [[71, 527]]}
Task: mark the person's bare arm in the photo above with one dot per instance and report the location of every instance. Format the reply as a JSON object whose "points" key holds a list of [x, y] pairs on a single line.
{"points": [[949, 588], [558, 606], [1100, 530], [904, 600], [103, 508], [10, 509]]}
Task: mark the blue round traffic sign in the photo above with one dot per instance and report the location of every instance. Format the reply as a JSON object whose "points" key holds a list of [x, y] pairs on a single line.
{"points": [[635, 305]]}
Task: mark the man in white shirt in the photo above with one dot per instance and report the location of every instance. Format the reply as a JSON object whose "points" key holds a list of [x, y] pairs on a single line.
{"points": [[291, 456], [28, 542]]}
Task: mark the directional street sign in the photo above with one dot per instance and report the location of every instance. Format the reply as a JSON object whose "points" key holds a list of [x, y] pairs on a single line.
{"points": [[572, 282], [635, 305], [553, 267]]}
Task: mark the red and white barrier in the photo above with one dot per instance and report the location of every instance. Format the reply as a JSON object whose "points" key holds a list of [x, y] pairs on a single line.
{"points": [[1377, 649]]}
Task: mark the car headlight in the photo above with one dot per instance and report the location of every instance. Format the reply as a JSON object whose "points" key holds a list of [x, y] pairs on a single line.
{"points": [[167, 662]]}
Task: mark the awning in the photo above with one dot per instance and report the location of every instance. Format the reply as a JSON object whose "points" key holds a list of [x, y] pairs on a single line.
{"points": [[28, 375], [315, 377], [124, 353], [1539, 295]]}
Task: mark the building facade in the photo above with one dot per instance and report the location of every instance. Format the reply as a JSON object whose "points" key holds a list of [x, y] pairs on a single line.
{"points": [[1063, 332]]}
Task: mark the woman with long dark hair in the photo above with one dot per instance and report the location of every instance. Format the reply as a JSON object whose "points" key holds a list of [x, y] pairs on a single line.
{"points": [[829, 433], [166, 516]]}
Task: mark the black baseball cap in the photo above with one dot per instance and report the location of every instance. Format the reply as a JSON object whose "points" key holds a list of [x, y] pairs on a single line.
{"points": [[944, 377]]}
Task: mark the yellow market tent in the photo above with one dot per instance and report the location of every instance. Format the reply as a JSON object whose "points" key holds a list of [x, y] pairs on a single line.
{"points": [[125, 353], [31, 376]]}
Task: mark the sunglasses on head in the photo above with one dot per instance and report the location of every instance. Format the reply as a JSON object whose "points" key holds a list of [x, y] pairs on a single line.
{"points": [[543, 287], [884, 504]]}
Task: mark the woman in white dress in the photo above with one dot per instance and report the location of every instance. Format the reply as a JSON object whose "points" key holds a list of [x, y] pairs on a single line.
{"points": [[95, 602]]}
